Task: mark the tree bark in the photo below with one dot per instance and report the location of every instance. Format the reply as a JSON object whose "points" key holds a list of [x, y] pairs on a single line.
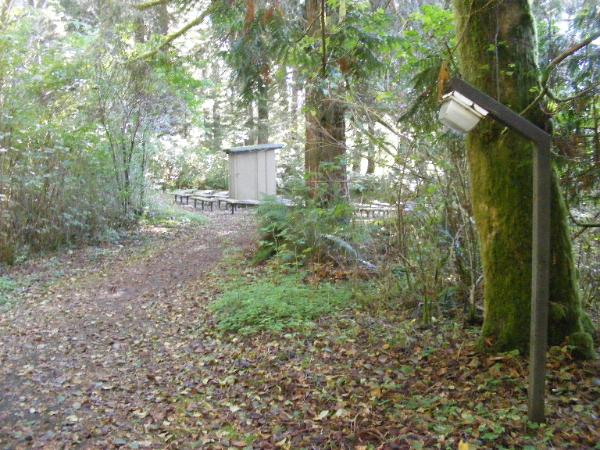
{"points": [[216, 132], [163, 19], [262, 103], [325, 145], [294, 104], [497, 43], [371, 149], [249, 125]]}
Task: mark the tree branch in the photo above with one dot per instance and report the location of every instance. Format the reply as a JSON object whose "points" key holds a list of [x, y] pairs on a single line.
{"points": [[4, 11], [171, 37], [151, 4], [554, 63], [415, 104], [586, 91], [564, 55]]}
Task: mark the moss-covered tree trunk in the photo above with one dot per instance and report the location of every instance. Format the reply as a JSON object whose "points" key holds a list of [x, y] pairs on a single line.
{"points": [[497, 50]]}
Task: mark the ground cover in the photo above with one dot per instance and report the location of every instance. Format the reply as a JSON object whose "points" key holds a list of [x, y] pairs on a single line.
{"points": [[128, 349]]}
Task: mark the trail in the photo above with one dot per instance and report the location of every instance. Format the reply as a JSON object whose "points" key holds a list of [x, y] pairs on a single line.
{"points": [[87, 362]]}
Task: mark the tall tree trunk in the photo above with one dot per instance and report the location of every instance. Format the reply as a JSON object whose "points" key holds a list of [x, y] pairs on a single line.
{"points": [[263, 114], [356, 155], [249, 125], [163, 19], [500, 163], [371, 148], [216, 132], [325, 145], [294, 104], [596, 133]]}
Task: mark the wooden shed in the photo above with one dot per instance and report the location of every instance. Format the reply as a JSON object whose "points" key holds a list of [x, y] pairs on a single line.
{"points": [[252, 171]]}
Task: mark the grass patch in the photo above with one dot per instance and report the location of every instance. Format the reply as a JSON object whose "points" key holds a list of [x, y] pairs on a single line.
{"points": [[7, 289], [162, 212], [285, 303]]}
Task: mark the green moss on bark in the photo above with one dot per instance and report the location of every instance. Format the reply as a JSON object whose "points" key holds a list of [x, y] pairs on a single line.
{"points": [[497, 55], [582, 345]]}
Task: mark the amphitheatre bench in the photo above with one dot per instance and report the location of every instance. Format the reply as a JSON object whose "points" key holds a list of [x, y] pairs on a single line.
{"points": [[183, 195], [234, 203], [203, 200], [374, 210]]}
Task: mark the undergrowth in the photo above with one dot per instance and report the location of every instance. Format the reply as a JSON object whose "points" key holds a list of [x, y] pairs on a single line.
{"points": [[7, 289], [284, 303], [162, 212]]}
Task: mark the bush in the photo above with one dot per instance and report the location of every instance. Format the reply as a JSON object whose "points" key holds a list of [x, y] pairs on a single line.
{"points": [[300, 232], [162, 212], [284, 304]]}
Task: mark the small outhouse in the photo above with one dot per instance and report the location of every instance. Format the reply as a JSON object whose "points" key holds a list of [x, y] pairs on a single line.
{"points": [[252, 171]]}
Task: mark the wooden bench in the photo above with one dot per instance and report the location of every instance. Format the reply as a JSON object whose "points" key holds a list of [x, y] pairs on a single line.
{"points": [[234, 203], [203, 200], [220, 197], [374, 210], [183, 195]]}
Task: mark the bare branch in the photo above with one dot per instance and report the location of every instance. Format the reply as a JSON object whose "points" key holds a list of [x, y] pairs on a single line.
{"points": [[151, 4]]}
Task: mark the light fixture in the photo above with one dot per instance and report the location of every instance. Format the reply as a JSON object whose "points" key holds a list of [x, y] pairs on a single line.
{"points": [[461, 110], [459, 113]]}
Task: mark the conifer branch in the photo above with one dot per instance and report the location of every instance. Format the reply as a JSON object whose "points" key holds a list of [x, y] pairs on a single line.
{"points": [[151, 4]]}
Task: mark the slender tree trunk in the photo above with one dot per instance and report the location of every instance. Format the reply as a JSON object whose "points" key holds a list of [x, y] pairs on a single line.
{"points": [[500, 163], [143, 173], [356, 157], [251, 139], [294, 104], [371, 149], [596, 133], [216, 132], [263, 114], [163, 19]]}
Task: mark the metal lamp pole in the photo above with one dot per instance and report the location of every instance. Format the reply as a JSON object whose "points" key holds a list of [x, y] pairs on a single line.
{"points": [[540, 275]]}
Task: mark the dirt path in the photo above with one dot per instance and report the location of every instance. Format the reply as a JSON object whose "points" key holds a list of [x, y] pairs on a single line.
{"points": [[87, 363]]}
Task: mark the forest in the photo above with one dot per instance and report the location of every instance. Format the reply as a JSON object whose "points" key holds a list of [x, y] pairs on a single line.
{"points": [[399, 280]]}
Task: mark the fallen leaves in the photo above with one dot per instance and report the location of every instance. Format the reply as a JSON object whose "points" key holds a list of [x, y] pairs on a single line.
{"points": [[143, 366]]}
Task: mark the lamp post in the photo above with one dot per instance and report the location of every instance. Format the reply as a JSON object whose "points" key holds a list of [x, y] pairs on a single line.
{"points": [[461, 110]]}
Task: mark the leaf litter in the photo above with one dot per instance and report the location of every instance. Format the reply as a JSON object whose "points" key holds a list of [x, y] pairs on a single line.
{"points": [[124, 353]]}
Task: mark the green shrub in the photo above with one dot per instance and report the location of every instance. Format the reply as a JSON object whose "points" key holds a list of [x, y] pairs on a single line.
{"points": [[162, 212], [217, 177], [7, 287], [299, 232], [7, 251], [284, 304]]}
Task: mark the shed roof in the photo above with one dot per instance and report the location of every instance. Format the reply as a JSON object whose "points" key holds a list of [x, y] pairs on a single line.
{"points": [[253, 148]]}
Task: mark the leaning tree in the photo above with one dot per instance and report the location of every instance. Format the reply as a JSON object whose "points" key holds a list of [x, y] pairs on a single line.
{"points": [[497, 50]]}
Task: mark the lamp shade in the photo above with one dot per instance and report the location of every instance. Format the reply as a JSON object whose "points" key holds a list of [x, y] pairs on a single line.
{"points": [[459, 113]]}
